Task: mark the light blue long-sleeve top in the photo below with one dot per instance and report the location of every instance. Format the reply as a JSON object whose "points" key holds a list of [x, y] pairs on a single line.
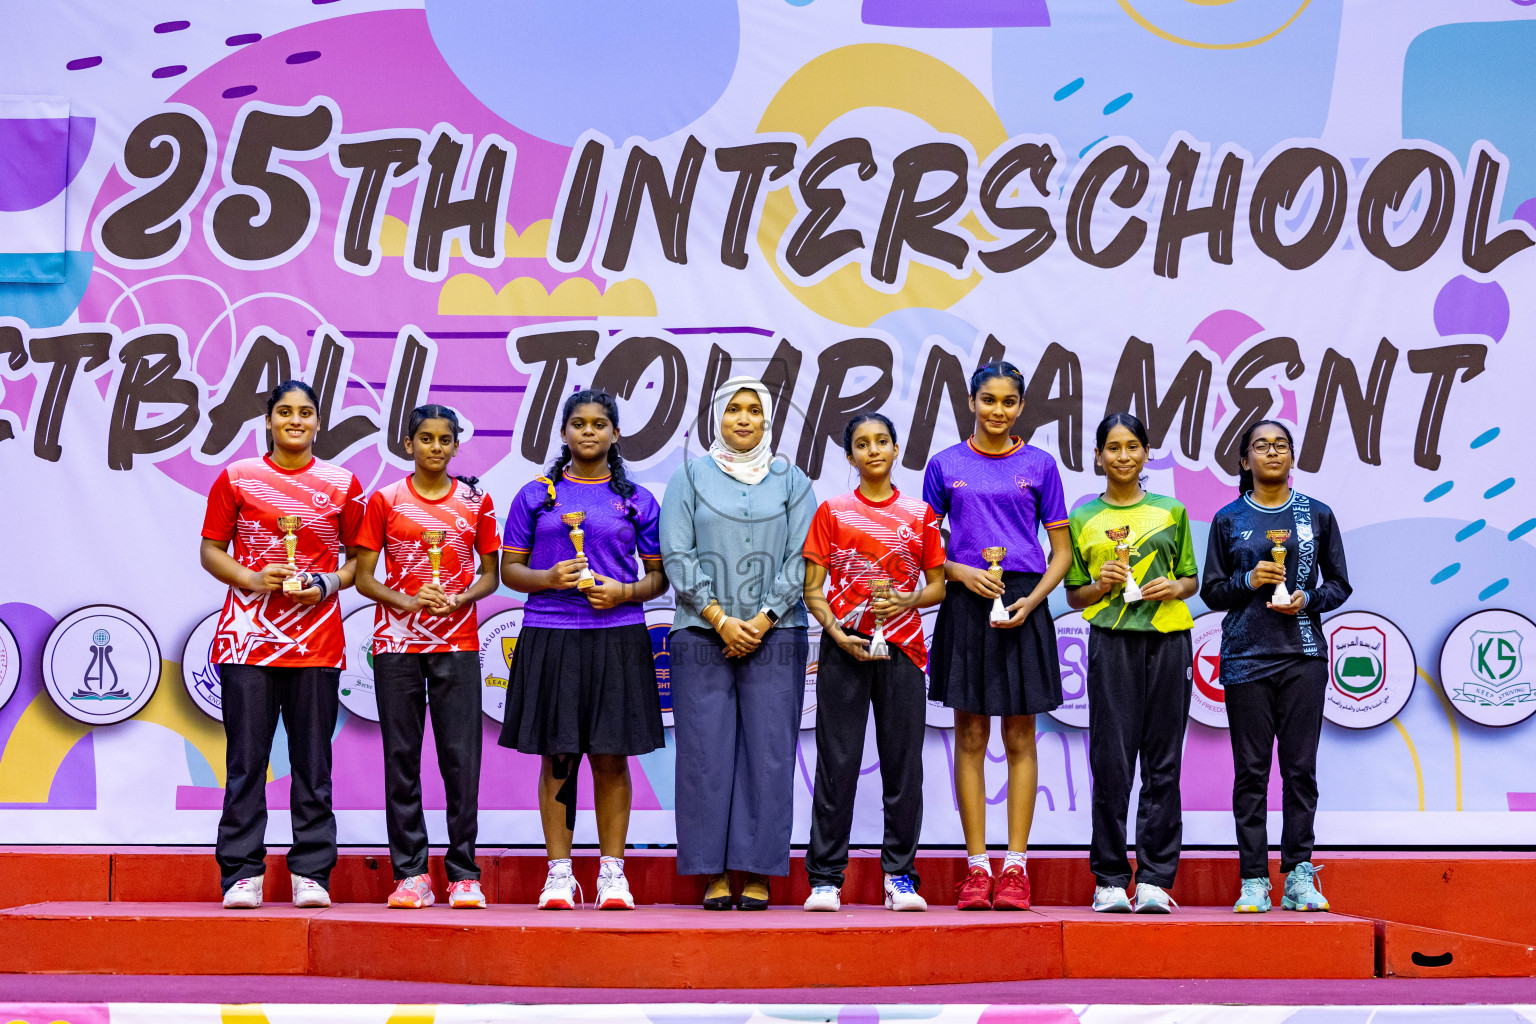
{"points": [[735, 543]]}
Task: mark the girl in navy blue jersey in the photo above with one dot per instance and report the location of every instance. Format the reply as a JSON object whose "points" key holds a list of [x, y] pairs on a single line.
{"points": [[1273, 655]]}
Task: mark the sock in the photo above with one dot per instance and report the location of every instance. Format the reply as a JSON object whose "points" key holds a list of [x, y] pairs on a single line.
{"points": [[1014, 858], [611, 866], [560, 865], [980, 860]]}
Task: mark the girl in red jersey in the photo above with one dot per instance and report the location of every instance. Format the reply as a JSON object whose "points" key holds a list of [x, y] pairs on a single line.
{"points": [[873, 533], [279, 645], [426, 641]]}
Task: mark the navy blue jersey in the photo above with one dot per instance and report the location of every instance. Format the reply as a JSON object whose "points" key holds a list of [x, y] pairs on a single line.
{"points": [[1242, 535]]}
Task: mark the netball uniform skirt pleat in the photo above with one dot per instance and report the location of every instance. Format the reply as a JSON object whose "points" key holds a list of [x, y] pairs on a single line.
{"points": [[583, 691], [975, 667]]}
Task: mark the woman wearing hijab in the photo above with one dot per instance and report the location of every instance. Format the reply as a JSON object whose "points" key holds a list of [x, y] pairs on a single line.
{"points": [[733, 523]]}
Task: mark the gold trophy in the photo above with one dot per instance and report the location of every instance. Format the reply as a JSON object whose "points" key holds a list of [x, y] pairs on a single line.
{"points": [[1279, 537], [290, 527], [878, 648], [585, 581], [1125, 550], [995, 556], [433, 539]]}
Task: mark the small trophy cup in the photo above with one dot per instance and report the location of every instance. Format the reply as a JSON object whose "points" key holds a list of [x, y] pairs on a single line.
{"points": [[1125, 550], [290, 527], [1279, 537], [878, 648], [433, 539], [585, 581], [995, 556]]}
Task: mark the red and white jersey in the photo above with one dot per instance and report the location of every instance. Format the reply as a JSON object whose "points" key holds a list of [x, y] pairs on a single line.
{"points": [[396, 518], [270, 628], [858, 540]]}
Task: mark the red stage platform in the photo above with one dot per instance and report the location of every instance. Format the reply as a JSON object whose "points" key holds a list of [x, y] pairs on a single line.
{"points": [[149, 911]]}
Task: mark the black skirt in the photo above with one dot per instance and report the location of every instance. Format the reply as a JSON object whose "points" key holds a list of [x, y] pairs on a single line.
{"points": [[583, 691], [977, 668]]}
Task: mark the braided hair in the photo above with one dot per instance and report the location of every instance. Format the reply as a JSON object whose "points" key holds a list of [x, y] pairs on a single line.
{"points": [[618, 479], [421, 414], [1000, 369]]}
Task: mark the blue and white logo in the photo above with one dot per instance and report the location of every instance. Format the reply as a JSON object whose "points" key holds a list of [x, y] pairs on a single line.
{"points": [[198, 672], [101, 664]]}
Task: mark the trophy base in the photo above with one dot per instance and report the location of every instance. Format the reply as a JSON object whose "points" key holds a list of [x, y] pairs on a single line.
{"points": [[999, 613], [291, 585], [1132, 593], [1282, 595], [585, 583]]}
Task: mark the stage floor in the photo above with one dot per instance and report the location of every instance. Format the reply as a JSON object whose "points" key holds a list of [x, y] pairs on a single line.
{"points": [[144, 912]]}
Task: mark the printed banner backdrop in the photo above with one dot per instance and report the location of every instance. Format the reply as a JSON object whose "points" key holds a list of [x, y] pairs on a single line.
{"points": [[1207, 214]]}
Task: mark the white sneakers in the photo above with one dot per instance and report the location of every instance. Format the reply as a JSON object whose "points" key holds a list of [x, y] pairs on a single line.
{"points": [[1111, 899], [244, 894], [901, 894], [1151, 899], [825, 898], [560, 890], [613, 892], [309, 893]]}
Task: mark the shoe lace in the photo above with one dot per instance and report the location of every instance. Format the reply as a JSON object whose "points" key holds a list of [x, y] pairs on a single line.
{"points": [[1306, 875], [1010, 879], [902, 884], [824, 890], [974, 877], [1254, 887]]}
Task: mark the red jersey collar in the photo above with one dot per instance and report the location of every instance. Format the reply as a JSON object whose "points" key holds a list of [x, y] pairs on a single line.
{"points": [[887, 503], [267, 458], [453, 485]]}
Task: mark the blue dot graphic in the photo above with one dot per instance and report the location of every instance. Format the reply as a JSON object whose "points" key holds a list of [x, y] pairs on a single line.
{"points": [[1440, 490], [1446, 573], [1500, 487]]}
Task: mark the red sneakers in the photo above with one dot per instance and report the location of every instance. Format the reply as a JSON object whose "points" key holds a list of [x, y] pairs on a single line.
{"points": [[975, 890], [1012, 891]]}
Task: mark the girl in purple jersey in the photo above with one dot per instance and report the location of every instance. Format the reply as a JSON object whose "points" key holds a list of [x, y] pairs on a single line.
{"points": [[996, 492], [583, 679]]}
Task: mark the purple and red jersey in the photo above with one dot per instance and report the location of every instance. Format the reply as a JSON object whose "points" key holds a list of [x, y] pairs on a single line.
{"points": [[996, 501]]}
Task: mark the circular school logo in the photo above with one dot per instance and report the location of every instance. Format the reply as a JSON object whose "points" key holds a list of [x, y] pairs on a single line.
{"points": [[1371, 670], [939, 715], [1483, 667], [198, 672], [101, 664], [10, 663], [1208, 701], [498, 639], [357, 691], [1072, 654], [658, 623]]}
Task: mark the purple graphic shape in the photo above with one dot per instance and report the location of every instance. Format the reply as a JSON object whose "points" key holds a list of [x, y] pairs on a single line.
{"points": [[74, 784], [1522, 801], [1465, 306], [81, 63], [26, 185], [957, 13], [1526, 211], [169, 71], [303, 57], [234, 92], [171, 26], [1224, 330]]}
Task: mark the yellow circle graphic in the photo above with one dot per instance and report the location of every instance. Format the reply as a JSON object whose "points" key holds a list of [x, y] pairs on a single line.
{"points": [[1161, 33], [874, 75]]}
